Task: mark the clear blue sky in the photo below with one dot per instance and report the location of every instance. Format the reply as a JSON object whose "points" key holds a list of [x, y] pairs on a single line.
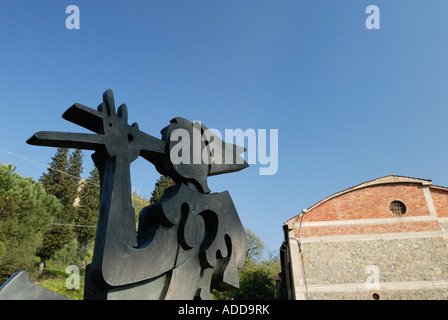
{"points": [[350, 104]]}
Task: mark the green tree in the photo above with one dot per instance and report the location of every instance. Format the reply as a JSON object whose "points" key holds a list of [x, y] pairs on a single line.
{"points": [[257, 278], [256, 283], [73, 187], [62, 181], [25, 214], [88, 210], [256, 246], [138, 203], [74, 170], [162, 184], [54, 180]]}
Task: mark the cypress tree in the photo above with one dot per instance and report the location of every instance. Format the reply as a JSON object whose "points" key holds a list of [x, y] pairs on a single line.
{"points": [[88, 210], [162, 184], [55, 179], [62, 181], [74, 169]]}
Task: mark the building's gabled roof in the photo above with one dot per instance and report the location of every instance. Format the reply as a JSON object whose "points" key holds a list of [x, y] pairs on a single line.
{"points": [[383, 180]]}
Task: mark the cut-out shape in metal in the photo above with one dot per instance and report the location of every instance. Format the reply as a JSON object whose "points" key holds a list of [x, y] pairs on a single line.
{"points": [[190, 242]]}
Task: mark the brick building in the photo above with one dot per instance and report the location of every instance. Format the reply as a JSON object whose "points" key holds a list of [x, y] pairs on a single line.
{"points": [[383, 239]]}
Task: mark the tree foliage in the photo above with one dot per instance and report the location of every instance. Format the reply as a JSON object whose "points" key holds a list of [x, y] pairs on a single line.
{"points": [[88, 209], [54, 180], [25, 214], [162, 184], [257, 278], [138, 203], [62, 181], [256, 246], [256, 283]]}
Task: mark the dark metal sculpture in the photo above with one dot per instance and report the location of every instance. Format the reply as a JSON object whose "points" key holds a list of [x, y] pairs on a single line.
{"points": [[190, 242], [20, 287]]}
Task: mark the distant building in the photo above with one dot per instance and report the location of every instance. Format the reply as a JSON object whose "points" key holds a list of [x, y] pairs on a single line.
{"points": [[383, 239], [81, 183]]}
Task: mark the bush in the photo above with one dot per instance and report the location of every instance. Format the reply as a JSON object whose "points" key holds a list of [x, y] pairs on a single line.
{"points": [[256, 283]]}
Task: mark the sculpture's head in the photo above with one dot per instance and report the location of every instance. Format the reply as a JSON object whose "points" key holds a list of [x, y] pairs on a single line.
{"points": [[188, 152], [195, 153]]}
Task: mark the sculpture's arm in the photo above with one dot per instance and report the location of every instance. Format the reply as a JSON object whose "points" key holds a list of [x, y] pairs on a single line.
{"points": [[66, 139], [117, 145]]}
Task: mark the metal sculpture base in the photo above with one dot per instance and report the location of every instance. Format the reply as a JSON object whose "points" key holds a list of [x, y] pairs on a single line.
{"points": [[20, 287]]}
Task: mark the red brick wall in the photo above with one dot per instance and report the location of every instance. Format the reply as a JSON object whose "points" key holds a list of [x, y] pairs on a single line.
{"points": [[367, 229], [440, 199], [372, 202]]}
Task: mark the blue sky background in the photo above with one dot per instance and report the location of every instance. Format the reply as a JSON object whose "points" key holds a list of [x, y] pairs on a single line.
{"points": [[350, 104]]}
